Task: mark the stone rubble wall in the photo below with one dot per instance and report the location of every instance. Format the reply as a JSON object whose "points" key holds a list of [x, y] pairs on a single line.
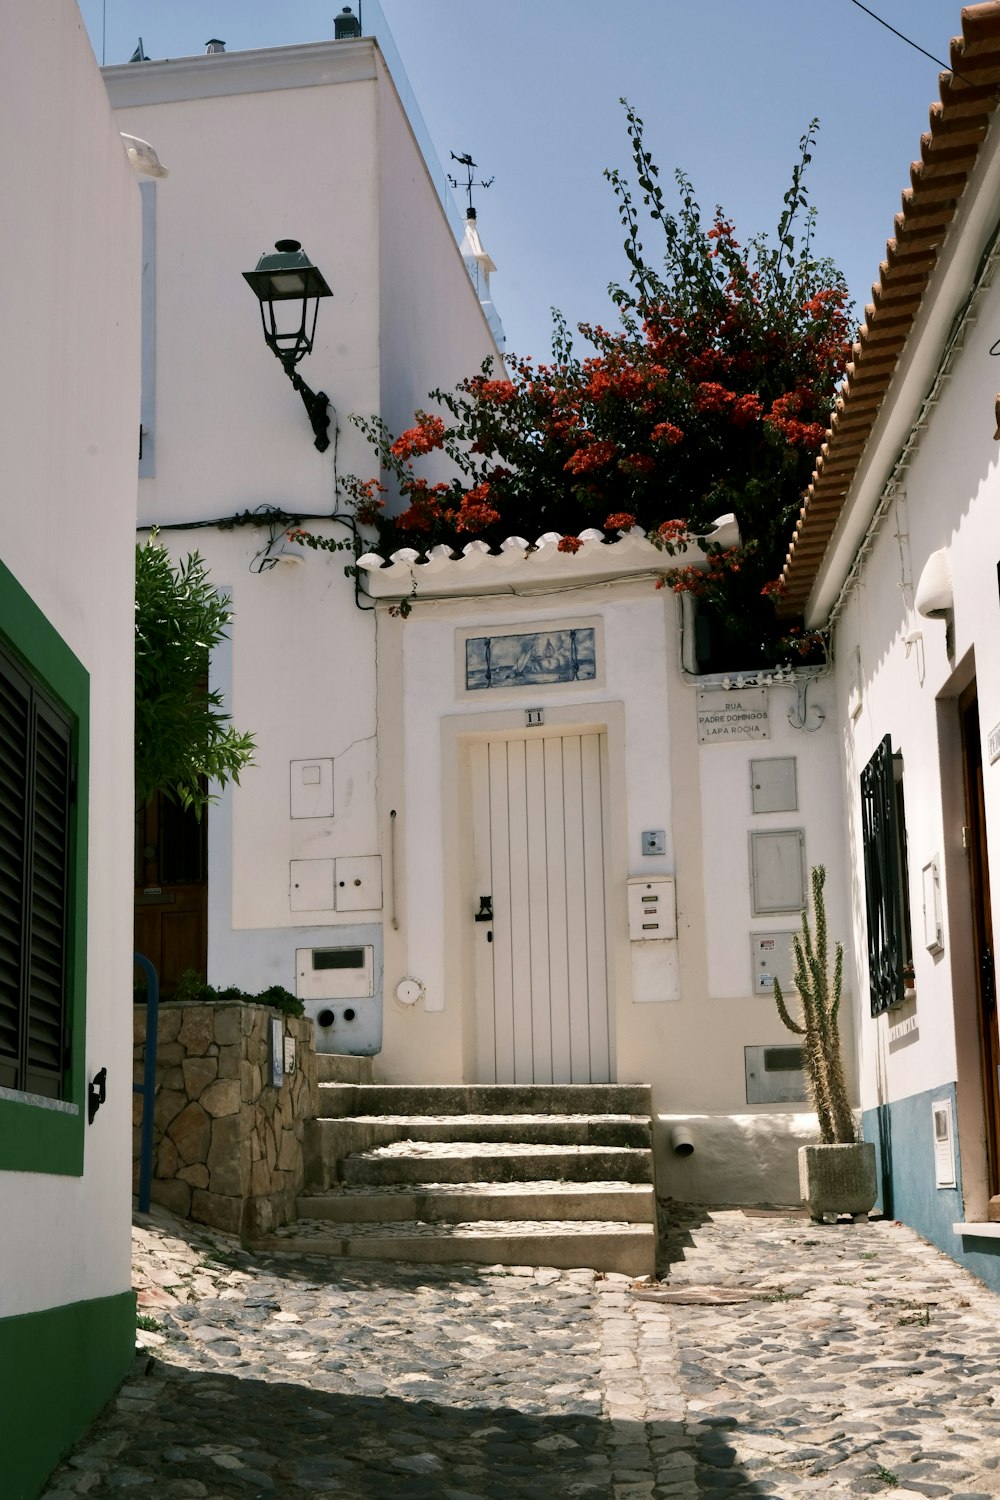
{"points": [[227, 1144]]}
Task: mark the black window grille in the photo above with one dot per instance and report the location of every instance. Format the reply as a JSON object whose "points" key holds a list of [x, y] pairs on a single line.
{"points": [[36, 787], [883, 830]]}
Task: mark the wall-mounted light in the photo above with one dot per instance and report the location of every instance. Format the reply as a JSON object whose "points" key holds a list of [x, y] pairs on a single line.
{"points": [[288, 287]]}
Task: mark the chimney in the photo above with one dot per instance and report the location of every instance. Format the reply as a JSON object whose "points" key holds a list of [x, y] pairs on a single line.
{"points": [[346, 25], [214, 45]]}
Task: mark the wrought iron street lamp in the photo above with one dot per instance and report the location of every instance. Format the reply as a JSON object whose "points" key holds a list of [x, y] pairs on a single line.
{"points": [[288, 287]]}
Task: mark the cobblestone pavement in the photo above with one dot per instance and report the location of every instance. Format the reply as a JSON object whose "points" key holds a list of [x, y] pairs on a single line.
{"points": [[776, 1358]]}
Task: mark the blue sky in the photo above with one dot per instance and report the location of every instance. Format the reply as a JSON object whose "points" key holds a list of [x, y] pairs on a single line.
{"points": [[531, 89]]}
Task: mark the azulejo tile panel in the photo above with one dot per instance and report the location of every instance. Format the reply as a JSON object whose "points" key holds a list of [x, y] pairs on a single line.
{"points": [[535, 659]]}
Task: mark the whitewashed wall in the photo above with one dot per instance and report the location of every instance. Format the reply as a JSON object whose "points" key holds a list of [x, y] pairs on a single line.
{"points": [[69, 415], [909, 685], [306, 142], [681, 1017]]}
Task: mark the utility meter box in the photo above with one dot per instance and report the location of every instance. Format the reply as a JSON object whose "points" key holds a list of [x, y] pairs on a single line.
{"points": [[359, 883], [311, 788], [652, 908], [775, 1075], [772, 959], [310, 885], [334, 973], [337, 987]]}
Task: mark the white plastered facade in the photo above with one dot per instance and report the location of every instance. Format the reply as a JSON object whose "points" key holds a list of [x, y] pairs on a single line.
{"points": [[69, 415], [312, 142], [927, 485]]}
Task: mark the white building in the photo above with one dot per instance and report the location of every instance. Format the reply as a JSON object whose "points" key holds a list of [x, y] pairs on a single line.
{"points": [[898, 547], [401, 749], [69, 418]]}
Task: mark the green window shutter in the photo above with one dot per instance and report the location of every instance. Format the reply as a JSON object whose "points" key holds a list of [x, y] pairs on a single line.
{"points": [[35, 796]]}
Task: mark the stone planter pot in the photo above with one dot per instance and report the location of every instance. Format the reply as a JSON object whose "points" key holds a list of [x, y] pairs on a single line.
{"points": [[838, 1179]]}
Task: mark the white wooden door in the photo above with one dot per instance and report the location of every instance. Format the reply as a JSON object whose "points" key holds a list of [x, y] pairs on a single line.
{"points": [[541, 963]]}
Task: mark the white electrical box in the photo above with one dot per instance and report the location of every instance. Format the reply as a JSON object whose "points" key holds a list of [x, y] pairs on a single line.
{"points": [[775, 1075], [944, 1144], [359, 883], [310, 885], [277, 1052], [772, 959], [778, 870], [933, 929], [341, 973], [652, 908], [311, 789], [772, 784]]}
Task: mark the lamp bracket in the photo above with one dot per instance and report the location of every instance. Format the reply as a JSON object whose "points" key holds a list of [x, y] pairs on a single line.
{"points": [[316, 403]]}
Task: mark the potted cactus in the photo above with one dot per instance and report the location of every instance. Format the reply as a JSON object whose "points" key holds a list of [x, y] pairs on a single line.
{"points": [[838, 1176]]}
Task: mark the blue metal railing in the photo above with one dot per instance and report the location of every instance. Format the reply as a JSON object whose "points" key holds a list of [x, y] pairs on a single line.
{"points": [[147, 1088]]}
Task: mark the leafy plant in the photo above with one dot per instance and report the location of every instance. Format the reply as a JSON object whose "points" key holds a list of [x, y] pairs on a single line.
{"points": [[819, 993], [191, 987], [183, 739], [148, 1324], [711, 396], [280, 999]]}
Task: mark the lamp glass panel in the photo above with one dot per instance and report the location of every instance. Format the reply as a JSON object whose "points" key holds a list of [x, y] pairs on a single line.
{"points": [[288, 284]]}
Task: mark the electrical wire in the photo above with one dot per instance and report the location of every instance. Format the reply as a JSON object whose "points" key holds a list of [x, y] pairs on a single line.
{"points": [[915, 45]]}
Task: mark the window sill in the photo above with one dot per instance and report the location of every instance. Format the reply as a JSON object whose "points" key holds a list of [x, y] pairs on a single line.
{"points": [[39, 1101], [984, 1231]]}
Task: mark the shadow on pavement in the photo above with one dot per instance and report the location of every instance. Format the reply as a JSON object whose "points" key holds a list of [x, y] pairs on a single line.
{"points": [[233, 1437]]}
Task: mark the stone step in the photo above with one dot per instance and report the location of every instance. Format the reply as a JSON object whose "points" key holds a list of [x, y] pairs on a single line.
{"points": [[436, 1203], [339, 1067], [498, 1161], [338, 1137], [629, 1248], [338, 1099]]}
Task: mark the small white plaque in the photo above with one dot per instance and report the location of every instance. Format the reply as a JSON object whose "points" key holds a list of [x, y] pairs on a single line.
{"points": [[994, 743], [741, 714]]}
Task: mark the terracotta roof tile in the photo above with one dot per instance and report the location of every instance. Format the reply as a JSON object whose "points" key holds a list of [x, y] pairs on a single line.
{"points": [[959, 122]]}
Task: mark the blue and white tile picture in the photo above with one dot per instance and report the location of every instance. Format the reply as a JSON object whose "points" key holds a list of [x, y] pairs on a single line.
{"points": [[544, 656]]}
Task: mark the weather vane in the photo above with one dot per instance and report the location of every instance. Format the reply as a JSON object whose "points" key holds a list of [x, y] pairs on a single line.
{"points": [[470, 182]]}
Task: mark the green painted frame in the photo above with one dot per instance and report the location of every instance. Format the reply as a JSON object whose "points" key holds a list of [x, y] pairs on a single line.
{"points": [[35, 1137]]}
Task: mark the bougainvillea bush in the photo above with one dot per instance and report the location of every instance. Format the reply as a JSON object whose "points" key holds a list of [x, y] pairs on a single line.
{"points": [[711, 394]]}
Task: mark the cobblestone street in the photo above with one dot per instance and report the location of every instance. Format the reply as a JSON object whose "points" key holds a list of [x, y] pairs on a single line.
{"points": [[778, 1358]]}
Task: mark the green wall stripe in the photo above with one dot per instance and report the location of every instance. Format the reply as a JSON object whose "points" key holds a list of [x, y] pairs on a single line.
{"points": [[58, 1369], [34, 1139]]}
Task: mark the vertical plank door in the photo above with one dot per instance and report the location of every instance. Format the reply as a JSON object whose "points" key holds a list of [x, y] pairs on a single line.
{"points": [[542, 963]]}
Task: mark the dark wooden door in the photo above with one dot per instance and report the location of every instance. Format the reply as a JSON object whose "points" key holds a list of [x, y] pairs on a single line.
{"points": [[171, 890], [982, 930]]}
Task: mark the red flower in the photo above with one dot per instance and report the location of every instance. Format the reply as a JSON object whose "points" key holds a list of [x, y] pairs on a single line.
{"points": [[636, 464], [569, 544], [620, 521], [475, 513], [426, 436], [594, 456], [500, 391], [673, 531], [711, 396], [666, 432], [745, 409]]}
